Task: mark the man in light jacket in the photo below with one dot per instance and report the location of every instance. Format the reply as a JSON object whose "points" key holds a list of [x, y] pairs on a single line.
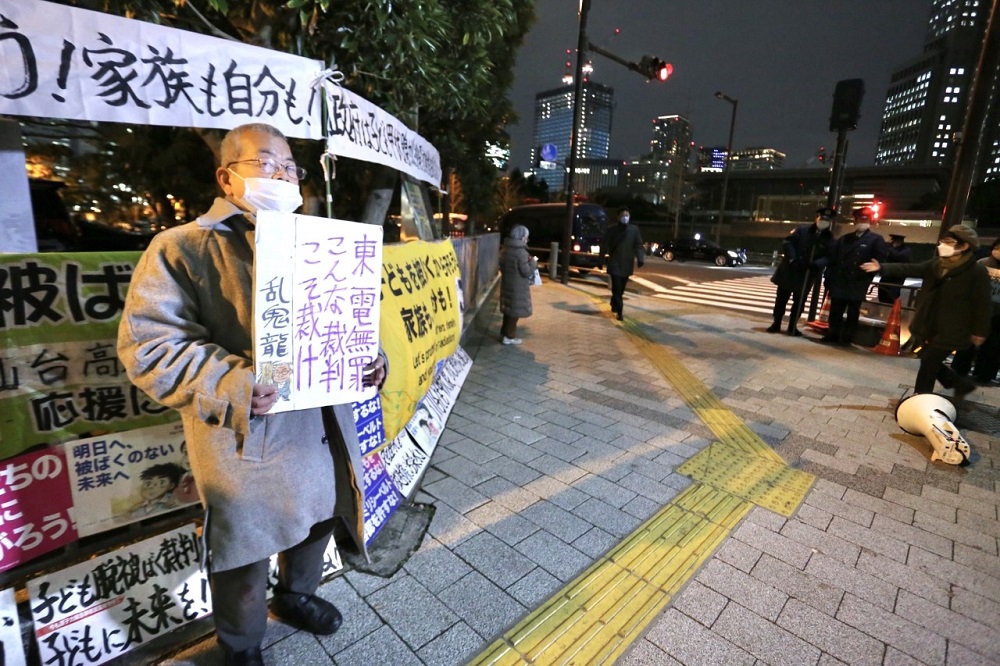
{"points": [[269, 483]]}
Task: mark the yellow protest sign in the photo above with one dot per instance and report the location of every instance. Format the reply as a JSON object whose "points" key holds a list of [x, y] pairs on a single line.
{"points": [[420, 325]]}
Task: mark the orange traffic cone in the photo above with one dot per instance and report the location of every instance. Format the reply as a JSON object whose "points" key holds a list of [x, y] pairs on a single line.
{"points": [[823, 322], [889, 344]]}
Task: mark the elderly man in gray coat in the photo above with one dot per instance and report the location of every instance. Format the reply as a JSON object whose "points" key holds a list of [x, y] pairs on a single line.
{"points": [[269, 483]]}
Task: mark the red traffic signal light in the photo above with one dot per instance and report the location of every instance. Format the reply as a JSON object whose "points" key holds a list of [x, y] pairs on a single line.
{"points": [[654, 68]]}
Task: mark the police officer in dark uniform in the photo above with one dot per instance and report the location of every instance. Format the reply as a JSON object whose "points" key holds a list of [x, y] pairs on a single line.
{"points": [[846, 282], [803, 252], [896, 253]]}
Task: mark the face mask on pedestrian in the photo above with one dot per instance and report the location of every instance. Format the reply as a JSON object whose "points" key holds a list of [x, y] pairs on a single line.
{"points": [[862, 227], [822, 224], [268, 194], [945, 250], [623, 219]]}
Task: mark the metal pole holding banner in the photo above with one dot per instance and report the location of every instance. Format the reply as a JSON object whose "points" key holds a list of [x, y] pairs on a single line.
{"points": [[581, 53]]}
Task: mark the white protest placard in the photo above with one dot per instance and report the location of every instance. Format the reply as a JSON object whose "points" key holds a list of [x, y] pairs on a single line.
{"points": [[11, 647], [62, 62], [358, 129], [127, 476], [427, 422], [100, 609], [317, 283]]}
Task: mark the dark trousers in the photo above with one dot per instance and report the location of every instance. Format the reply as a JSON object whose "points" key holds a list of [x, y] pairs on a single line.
{"points": [[618, 283], [508, 328], [842, 328], [986, 356], [932, 368], [238, 595], [781, 302]]}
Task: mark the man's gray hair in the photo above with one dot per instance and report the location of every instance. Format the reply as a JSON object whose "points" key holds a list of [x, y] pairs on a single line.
{"points": [[232, 144], [519, 232]]}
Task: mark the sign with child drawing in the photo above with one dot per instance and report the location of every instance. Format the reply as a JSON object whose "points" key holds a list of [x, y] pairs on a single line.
{"points": [[125, 477], [317, 283]]}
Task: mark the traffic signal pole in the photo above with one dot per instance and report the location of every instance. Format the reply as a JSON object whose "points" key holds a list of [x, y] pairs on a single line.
{"points": [[581, 54]]}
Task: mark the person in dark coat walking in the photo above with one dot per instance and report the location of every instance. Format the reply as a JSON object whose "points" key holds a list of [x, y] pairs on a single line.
{"points": [[987, 355], [846, 282], [517, 272], [953, 309], [896, 253], [802, 252], [621, 248]]}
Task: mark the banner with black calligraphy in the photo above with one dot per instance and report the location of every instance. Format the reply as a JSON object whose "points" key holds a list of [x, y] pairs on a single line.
{"points": [[421, 323], [100, 609], [358, 129], [11, 647], [129, 476], [60, 377], [316, 308], [62, 62], [35, 506]]}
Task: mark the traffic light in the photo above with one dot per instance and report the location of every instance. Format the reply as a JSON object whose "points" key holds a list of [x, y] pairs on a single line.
{"points": [[876, 208], [654, 68], [846, 104]]}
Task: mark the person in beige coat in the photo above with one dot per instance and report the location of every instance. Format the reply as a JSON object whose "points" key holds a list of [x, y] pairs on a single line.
{"points": [[269, 483]]}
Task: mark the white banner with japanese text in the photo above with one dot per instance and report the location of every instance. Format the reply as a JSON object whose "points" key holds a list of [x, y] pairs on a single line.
{"points": [[357, 128], [102, 608], [316, 308], [11, 648], [63, 62]]}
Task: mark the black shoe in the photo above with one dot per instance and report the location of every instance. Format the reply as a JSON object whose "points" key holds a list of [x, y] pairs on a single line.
{"points": [[307, 611], [773, 328], [620, 316], [830, 339], [251, 657], [795, 333], [963, 387]]}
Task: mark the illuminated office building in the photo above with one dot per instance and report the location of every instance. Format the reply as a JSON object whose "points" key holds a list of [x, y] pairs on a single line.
{"points": [[928, 95], [554, 124], [755, 159]]}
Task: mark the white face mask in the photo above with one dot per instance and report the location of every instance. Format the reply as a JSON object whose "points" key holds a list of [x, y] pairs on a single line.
{"points": [[861, 227], [623, 219], [822, 224], [945, 250], [269, 194]]}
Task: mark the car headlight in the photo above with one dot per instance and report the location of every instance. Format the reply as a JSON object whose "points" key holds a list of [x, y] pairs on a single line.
{"points": [[732, 254]]}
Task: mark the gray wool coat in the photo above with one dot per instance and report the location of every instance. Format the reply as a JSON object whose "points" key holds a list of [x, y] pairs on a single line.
{"points": [[517, 269], [185, 340]]}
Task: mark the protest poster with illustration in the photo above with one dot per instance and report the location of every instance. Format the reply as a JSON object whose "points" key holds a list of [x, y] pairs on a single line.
{"points": [[421, 323], [100, 609], [128, 476], [35, 506], [316, 308]]}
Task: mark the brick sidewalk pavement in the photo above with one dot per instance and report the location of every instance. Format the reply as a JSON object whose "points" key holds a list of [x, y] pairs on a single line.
{"points": [[558, 450]]}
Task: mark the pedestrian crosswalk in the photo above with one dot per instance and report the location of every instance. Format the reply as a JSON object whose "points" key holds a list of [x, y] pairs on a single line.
{"points": [[746, 294]]}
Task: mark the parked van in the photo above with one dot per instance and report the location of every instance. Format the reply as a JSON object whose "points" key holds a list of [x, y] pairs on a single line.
{"points": [[546, 224]]}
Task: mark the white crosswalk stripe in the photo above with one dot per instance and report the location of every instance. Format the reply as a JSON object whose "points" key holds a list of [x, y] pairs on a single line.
{"points": [[747, 294]]}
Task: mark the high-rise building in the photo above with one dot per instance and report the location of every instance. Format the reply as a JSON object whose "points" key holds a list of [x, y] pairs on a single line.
{"points": [[554, 124], [710, 158], [670, 153], [751, 159], [928, 95]]}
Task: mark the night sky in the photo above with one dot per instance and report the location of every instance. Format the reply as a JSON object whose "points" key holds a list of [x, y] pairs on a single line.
{"points": [[781, 59]]}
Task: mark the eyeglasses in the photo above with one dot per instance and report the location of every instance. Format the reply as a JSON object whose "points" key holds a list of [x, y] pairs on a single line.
{"points": [[270, 167]]}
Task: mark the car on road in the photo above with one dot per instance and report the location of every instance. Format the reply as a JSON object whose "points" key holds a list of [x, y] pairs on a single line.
{"points": [[700, 249]]}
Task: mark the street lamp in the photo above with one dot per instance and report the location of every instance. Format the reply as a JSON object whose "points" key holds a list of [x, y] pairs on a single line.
{"points": [[725, 170]]}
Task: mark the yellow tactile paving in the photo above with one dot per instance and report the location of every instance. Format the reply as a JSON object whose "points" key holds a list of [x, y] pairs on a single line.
{"points": [[597, 616]]}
